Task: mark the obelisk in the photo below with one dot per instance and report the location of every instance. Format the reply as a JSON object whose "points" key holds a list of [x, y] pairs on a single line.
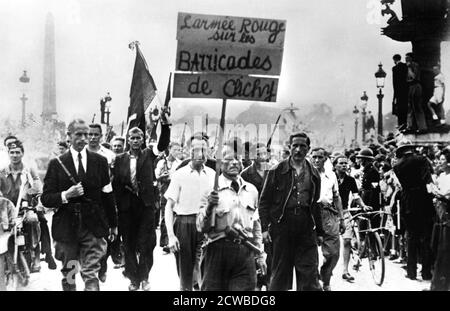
{"points": [[49, 100]]}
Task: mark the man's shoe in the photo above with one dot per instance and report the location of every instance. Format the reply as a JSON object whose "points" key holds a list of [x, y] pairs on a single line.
{"points": [[51, 262], [348, 277], [166, 250], [102, 277], [91, 286], [145, 286], [327, 288], [35, 267], [133, 287], [427, 276], [411, 277], [393, 257]]}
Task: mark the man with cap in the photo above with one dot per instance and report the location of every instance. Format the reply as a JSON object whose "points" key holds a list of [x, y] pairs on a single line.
{"points": [[370, 178], [414, 173]]}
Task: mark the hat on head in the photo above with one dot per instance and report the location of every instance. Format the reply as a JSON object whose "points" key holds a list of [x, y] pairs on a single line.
{"points": [[404, 145], [365, 153]]}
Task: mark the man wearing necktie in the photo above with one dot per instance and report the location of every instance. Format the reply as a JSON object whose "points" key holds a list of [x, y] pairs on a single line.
{"points": [[77, 184], [133, 176]]}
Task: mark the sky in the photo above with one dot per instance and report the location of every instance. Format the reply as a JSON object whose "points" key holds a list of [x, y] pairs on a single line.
{"points": [[331, 51]]}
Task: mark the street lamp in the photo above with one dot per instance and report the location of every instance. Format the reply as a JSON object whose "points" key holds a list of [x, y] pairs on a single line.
{"points": [[380, 76], [105, 109], [356, 113], [25, 80], [364, 100]]}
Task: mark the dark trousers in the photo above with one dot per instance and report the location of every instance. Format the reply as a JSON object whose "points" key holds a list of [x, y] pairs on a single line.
{"points": [[46, 242], [416, 115], [264, 280], [441, 276], [402, 110], [163, 239], [87, 251], [330, 246], [114, 250], [139, 239], [294, 247], [228, 266], [419, 240], [188, 257]]}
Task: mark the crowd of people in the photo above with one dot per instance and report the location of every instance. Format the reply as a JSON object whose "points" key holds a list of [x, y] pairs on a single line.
{"points": [[236, 218]]}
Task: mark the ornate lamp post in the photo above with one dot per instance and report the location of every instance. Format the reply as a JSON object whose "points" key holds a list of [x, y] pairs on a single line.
{"points": [[356, 113], [25, 80], [105, 107], [364, 100], [380, 75]]}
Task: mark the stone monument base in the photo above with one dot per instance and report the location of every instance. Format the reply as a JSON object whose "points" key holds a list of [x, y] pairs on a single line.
{"points": [[438, 136]]}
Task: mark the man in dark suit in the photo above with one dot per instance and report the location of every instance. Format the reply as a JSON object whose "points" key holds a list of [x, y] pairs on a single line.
{"points": [[400, 100], [133, 176], [77, 184]]}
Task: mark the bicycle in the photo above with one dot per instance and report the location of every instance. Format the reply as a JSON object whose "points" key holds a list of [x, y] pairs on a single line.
{"points": [[17, 267], [370, 247]]}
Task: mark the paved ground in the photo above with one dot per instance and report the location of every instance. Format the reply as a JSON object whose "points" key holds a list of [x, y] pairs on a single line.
{"points": [[163, 277]]}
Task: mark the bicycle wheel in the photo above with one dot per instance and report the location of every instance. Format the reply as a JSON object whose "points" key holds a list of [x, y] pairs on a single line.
{"points": [[375, 256]]}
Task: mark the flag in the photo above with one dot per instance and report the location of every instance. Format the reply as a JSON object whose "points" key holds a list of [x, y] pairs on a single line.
{"points": [[155, 113], [142, 92], [166, 102]]}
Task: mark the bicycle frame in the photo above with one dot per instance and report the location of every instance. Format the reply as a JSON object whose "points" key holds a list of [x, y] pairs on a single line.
{"points": [[372, 247]]}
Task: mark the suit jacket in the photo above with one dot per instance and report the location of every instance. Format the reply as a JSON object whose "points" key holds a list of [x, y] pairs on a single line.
{"points": [[98, 212], [144, 177], [145, 174], [276, 191]]}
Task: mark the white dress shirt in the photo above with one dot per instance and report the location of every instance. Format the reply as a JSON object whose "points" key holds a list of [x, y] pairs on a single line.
{"points": [[329, 187], [74, 154], [186, 188]]}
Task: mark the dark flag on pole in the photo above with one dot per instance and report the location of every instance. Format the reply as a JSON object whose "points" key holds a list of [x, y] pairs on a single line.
{"points": [[155, 113], [142, 92]]}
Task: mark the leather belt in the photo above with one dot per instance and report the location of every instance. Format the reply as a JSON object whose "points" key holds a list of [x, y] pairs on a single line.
{"points": [[297, 210]]}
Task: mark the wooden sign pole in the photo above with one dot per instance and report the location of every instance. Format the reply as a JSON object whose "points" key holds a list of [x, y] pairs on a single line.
{"points": [[219, 157], [219, 147]]}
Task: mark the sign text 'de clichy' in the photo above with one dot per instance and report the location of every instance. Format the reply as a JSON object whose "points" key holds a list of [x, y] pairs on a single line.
{"points": [[225, 86]]}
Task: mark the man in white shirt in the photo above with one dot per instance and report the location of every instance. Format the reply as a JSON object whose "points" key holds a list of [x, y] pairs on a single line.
{"points": [[183, 198], [165, 167], [332, 216], [435, 104], [95, 136]]}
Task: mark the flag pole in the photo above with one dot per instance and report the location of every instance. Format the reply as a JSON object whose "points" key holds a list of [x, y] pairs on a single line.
{"points": [[219, 156], [269, 142]]}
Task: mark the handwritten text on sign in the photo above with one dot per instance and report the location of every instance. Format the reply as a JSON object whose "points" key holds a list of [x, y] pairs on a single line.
{"points": [[247, 31], [200, 58], [225, 86]]}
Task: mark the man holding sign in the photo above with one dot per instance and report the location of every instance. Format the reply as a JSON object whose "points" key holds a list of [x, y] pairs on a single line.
{"points": [[234, 232]]}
